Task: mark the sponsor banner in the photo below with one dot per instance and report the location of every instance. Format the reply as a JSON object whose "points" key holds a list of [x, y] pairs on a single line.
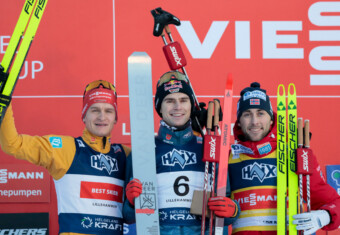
{"points": [[24, 223], [24, 183], [333, 176], [257, 199], [102, 191]]}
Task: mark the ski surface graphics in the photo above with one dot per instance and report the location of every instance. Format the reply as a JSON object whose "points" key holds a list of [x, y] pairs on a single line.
{"points": [[143, 142]]}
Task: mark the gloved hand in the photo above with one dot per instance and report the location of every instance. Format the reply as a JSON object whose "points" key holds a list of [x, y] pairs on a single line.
{"points": [[133, 189], [312, 221], [222, 206], [201, 116]]}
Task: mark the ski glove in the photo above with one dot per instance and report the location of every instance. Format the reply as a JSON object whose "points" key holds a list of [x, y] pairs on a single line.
{"points": [[222, 206], [312, 221], [133, 189]]}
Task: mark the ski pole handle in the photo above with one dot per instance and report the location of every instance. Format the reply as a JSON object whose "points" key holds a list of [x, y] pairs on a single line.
{"points": [[306, 133], [209, 116], [216, 114], [300, 132]]}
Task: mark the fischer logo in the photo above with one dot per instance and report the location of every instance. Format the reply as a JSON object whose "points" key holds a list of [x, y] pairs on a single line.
{"points": [[175, 55], [182, 158], [102, 161], [260, 171], [5, 175], [305, 160], [281, 144], [24, 231], [212, 144]]}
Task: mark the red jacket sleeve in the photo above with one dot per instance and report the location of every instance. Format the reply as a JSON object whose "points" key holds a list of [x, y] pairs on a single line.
{"points": [[323, 196]]}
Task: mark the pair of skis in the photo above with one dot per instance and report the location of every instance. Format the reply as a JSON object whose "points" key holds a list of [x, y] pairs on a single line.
{"points": [[293, 160], [286, 159], [11, 64]]}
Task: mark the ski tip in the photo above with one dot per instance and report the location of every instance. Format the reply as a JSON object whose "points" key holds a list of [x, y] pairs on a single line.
{"points": [[291, 89], [139, 57], [229, 82], [281, 90]]}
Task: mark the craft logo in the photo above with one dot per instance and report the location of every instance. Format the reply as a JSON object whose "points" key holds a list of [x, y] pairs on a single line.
{"points": [[254, 94], [261, 171], [5, 175], [182, 158], [101, 162]]}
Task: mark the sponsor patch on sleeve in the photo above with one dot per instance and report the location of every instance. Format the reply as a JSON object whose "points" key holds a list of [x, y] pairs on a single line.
{"points": [[56, 142]]}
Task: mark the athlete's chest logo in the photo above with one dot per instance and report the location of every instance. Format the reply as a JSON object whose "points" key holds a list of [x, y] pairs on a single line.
{"points": [[260, 171], [102, 161], [180, 157]]}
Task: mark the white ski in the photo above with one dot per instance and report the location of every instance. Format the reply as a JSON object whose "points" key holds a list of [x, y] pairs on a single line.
{"points": [[143, 142]]}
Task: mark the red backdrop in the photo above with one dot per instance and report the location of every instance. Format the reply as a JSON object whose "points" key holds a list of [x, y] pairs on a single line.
{"points": [[271, 42]]}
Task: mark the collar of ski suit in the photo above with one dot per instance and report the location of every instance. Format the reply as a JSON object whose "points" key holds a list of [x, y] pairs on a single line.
{"points": [[99, 144], [174, 136], [258, 148]]}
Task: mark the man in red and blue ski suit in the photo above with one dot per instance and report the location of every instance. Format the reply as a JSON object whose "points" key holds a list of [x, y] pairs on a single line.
{"points": [[253, 177]]}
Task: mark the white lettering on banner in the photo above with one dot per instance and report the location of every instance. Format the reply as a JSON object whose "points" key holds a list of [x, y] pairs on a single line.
{"points": [[24, 231], [3, 44], [36, 66], [271, 39], [25, 175], [22, 192], [197, 49], [321, 58], [242, 39]]}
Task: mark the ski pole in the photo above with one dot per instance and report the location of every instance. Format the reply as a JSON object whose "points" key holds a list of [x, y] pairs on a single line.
{"points": [[304, 162], [172, 50], [300, 145], [206, 170], [213, 168], [307, 145]]}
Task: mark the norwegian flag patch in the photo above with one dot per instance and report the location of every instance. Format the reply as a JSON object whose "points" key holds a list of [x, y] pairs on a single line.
{"points": [[254, 101]]}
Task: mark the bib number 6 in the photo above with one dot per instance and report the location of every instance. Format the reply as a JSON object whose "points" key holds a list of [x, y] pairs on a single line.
{"points": [[180, 187]]}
